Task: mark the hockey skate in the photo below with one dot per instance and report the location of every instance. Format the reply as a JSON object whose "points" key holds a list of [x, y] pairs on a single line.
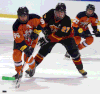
{"points": [[30, 72], [18, 76], [84, 73], [67, 56], [27, 71]]}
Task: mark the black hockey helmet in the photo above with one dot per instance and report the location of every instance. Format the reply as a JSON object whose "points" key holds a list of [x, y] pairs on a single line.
{"points": [[22, 11], [91, 7], [61, 7], [60, 11]]}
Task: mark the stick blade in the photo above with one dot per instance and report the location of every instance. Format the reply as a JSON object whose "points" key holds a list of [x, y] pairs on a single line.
{"points": [[8, 78]]}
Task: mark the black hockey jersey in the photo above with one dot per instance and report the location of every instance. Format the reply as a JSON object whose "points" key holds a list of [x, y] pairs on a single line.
{"points": [[61, 28]]}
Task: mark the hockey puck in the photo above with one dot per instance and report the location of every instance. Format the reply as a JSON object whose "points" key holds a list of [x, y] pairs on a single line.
{"points": [[4, 91]]}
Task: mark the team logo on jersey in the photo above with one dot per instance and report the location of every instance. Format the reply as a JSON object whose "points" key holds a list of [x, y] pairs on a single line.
{"points": [[84, 24], [54, 28], [59, 25], [28, 32]]}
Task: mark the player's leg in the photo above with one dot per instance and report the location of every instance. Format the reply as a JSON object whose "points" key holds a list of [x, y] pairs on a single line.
{"points": [[72, 49], [67, 55], [44, 50], [17, 54], [77, 39], [18, 62], [30, 62], [88, 40]]}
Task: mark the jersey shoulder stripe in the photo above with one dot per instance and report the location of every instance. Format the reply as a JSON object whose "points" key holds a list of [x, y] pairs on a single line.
{"points": [[16, 25], [17, 22], [67, 18], [95, 15], [50, 12], [32, 16], [66, 21], [81, 14]]}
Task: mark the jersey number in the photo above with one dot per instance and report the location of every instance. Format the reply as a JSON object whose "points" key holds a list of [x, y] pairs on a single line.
{"points": [[65, 29], [16, 35]]}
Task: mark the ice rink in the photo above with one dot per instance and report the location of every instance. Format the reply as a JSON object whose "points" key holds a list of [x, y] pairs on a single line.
{"points": [[55, 75]]}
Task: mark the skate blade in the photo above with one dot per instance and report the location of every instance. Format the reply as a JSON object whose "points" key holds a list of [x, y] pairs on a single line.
{"points": [[17, 86], [27, 75], [67, 58], [14, 81]]}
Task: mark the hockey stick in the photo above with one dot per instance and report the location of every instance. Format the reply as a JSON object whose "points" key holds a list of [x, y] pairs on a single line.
{"points": [[17, 81], [17, 85], [93, 34], [10, 78], [90, 34], [13, 78]]}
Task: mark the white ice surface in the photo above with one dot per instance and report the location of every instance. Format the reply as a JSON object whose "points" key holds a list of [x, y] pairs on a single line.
{"points": [[55, 75]]}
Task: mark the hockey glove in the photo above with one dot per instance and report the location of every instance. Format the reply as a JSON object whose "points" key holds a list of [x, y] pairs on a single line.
{"points": [[27, 50], [34, 35], [43, 41], [97, 33], [46, 31]]}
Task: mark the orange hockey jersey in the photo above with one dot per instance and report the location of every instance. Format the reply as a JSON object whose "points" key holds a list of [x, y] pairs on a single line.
{"points": [[82, 20], [22, 31]]}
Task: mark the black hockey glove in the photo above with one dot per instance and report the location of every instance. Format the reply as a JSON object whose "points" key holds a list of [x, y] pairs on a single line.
{"points": [[34, 36], [28, 51], [97, 33], [46, 31], [43, 41]]}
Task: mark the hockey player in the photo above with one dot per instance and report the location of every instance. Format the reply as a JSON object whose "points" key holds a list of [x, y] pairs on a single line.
{"points": [[58, 30], [26, 30], [81, 30]]}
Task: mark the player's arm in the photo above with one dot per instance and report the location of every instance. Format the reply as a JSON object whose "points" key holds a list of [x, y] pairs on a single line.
{"points": [[94, 26], [75, 23], [94, 23], [46, 17], [39, 25], [18, 33], [46, 31]]}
